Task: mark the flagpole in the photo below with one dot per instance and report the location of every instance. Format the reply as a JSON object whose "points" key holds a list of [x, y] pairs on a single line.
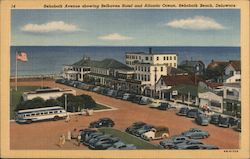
{"points": [[16, 71]]}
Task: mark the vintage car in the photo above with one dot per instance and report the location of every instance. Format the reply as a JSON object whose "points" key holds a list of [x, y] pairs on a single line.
{"points": [[156, 133]]}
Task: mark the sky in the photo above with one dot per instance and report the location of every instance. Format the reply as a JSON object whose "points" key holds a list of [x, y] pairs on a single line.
{"points": [[117, 27]]}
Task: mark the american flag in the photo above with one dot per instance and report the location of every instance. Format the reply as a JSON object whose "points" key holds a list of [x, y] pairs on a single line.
{"points": [[21, 56]]}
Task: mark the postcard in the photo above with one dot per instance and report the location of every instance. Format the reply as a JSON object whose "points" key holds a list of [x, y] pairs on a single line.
{"points": [[124, 79]]}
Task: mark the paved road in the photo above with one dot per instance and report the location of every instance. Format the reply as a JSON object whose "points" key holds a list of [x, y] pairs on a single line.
{"points": [[45, 135]]}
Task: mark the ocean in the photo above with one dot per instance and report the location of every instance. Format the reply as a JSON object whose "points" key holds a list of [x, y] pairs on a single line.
{"points": [[44, 60]]}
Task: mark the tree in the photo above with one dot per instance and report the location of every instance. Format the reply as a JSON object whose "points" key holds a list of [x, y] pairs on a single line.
{"points": [[52, 102]]}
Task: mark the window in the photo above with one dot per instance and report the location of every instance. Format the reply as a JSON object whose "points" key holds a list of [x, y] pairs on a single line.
{"points": [[170, 64], [148, 78], [145, 77], [167, 64], [37, 113], [164, 58], [170, 57], [167, 57], [50, 112], [157, 58], [161, 69], [174, 64], [27, 115], [145, 69], [55, 112], [174, 57], [146, 58], [139, 57], [215, 104], [142, 77], [139, 68], [151, 58], [45, 112], [136, 68], [162, 82], [32, 114], [148, 69]]}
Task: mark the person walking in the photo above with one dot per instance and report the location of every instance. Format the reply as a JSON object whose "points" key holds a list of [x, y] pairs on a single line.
{"points": [[61, 140], [67, 119]]}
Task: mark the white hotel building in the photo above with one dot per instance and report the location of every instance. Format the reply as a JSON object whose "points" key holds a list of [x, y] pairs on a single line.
{"points": [[149, 67]]}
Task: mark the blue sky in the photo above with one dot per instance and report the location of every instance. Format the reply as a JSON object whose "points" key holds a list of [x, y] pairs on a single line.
{"points": [[142, 27]]}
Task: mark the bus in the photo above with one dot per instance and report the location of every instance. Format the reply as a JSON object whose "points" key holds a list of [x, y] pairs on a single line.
{"points": [[46, 113]]}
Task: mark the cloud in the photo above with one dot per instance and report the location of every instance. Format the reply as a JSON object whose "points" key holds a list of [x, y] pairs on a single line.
{"points": [[114, 37], [196, 23], [53, 26]]}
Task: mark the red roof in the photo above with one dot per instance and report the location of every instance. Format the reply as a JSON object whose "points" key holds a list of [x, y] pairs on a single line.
{"points": [[236, 65], [181, 79]]}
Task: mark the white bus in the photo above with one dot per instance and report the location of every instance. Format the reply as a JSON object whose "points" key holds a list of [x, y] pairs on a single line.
{"points": [[30, 115]]}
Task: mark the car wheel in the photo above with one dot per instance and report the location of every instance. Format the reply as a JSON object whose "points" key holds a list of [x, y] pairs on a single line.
{"points": [[56, 118], [29, 121]]}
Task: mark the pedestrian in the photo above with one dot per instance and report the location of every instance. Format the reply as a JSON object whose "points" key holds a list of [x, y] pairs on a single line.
{"points": [[69, 136], [74, 134], [79, 139], [67, 119], [61, 140]]}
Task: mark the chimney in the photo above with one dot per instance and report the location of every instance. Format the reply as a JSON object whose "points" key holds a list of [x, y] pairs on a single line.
{"points": [[150, 50]]}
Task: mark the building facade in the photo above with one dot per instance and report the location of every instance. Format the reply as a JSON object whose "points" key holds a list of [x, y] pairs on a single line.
{"points": [[49, 93], [149, 67], [232, 99]]}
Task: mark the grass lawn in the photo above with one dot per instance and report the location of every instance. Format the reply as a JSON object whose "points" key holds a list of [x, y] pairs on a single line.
{"points": [[100, 106], [129, 139], [15, 97]]}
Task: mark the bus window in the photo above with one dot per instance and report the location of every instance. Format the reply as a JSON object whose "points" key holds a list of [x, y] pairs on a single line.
{"points": [[41, 113], [55, 112], [37, 113], [50, 112], [45, 112], [27, 115], [32, 114]]}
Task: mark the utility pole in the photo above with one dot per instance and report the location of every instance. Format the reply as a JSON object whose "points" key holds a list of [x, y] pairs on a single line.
{"points": [[155, 70], [65, 104]]}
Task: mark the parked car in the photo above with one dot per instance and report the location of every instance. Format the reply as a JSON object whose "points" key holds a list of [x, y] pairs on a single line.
{"points": [[156, 133], [103, 122], [125, 96], [145, 100], [164, 106], [85, 133], [103, 145], [101, 138], [136, 99], [202, 120], [143, 129], [227, 122], [134, 126], [90, 136], [187, 142], [120, 94], [131, 97], [171, 143], [114, 94], [196, 133], [193, 113], [183, 111], [155, 103], [96, 89], [214, 119], [122, 146]]}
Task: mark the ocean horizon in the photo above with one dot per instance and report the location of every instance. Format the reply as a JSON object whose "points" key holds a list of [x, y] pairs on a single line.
{"points": [[44, 60]]}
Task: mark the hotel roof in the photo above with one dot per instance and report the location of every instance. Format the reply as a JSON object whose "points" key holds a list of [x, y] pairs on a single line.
{"points": [[106, 63]]}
